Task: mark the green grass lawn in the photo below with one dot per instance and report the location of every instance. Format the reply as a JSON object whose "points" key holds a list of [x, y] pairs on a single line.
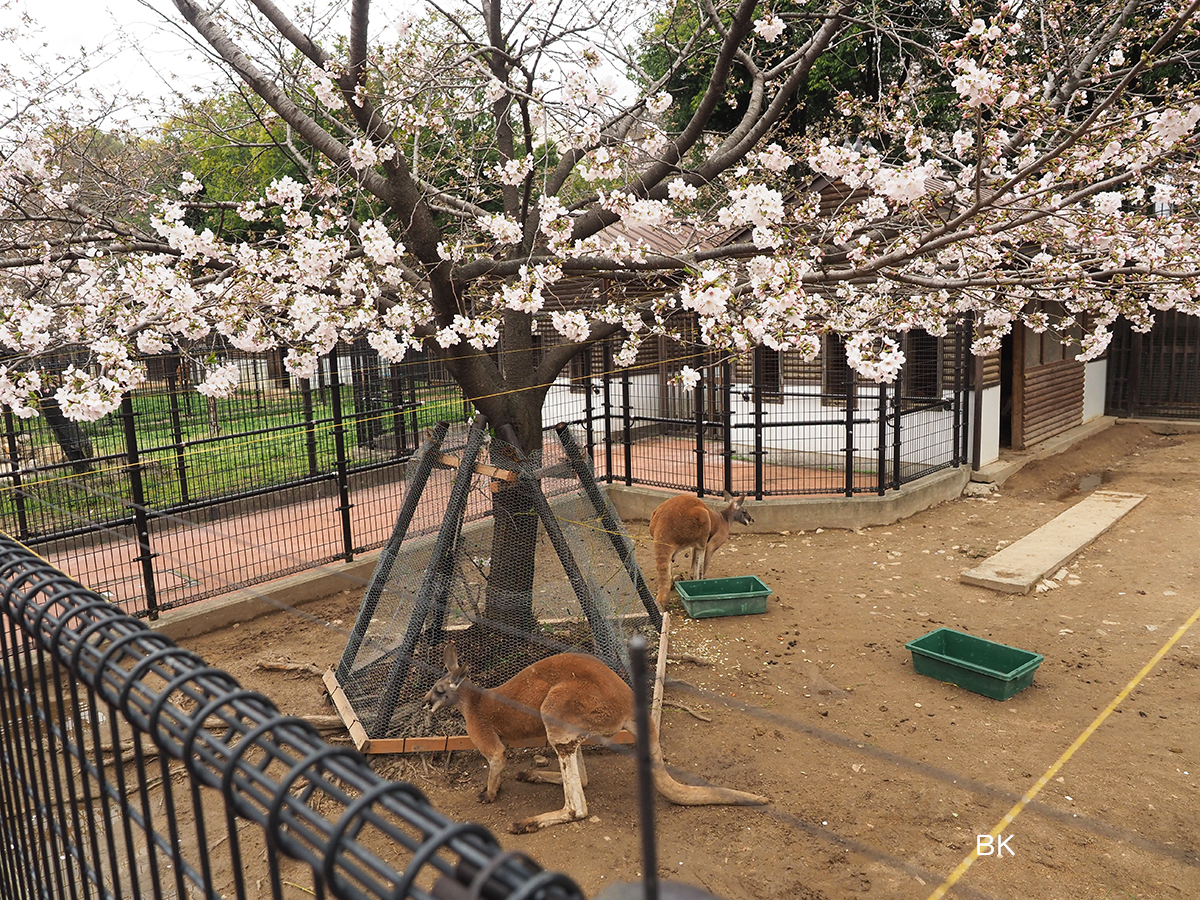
{"points": [[204, 450]]}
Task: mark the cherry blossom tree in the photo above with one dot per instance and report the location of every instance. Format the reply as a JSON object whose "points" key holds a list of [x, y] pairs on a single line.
{"points": [[1034, 163]]}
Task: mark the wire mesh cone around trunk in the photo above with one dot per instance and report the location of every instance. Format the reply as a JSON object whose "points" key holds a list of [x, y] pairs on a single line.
{"points": [[511, 559]]}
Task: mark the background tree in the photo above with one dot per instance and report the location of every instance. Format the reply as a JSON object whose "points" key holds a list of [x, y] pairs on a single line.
{"points": [[870, 57], [1033, 164], [234, 145]]}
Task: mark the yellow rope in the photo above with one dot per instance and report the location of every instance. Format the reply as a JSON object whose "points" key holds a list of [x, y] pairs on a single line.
{"points": [[1020, 805]]}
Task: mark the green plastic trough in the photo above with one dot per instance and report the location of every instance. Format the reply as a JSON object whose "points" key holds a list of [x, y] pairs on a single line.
{"points": [[743, 595], [977, 664]]}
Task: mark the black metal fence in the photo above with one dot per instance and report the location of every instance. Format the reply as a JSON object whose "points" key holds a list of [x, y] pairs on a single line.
{"points": [[179, 497], [130, 768], [1157, 374], [760, 435]]}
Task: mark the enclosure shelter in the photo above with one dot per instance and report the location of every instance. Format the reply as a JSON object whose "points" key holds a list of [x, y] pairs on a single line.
{"points": [[512, 557]]}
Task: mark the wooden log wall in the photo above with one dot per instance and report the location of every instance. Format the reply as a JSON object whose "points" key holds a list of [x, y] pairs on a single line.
{"points": [[1053, 400]]}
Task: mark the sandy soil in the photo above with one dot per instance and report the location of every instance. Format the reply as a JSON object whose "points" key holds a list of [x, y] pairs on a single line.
{"points": [[880, 778]]}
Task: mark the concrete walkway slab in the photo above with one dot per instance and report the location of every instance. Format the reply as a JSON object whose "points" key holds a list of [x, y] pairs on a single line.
{"points": [[1021, 565]]}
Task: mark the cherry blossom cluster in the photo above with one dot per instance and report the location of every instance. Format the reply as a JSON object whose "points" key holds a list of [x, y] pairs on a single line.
{"points": [[1051, 192]]}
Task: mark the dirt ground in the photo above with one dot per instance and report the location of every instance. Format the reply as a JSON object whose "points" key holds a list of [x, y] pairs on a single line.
{"points": [[881, 779]]}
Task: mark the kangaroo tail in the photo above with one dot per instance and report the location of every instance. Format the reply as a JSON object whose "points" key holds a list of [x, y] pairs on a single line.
{"points": [[691, 794]]}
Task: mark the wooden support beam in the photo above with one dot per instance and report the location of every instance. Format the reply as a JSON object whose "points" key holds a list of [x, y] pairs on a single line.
{"points": [[341, 703], [660, 672], [452, 461]]}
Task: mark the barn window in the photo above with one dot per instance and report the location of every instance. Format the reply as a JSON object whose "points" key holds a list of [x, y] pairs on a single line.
{"points": [[921, 378], [837, 376]]}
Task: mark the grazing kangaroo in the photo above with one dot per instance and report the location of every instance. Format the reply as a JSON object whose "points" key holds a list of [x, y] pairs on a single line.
{"points": [[683, 522], [565, 698]]}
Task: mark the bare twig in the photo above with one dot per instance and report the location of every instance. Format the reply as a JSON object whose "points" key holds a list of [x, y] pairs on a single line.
{"points": [[687, 709]]}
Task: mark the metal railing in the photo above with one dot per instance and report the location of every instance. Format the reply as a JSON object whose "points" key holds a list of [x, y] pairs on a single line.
{"points": [[131, 768]]}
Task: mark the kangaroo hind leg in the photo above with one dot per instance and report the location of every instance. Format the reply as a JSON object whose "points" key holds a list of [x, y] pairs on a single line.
{"points": [[664, 556], [570, 762], [495, 774]]}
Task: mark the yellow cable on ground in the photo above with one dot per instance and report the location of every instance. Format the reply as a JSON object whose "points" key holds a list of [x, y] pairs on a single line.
{"points": [[1009, 816]]}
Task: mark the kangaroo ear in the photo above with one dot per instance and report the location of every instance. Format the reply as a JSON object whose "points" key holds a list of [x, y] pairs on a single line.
{"points": [[726, 496], [450, 657]]}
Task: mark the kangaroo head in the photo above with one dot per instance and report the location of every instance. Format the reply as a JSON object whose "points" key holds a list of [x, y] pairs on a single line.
{"points": [[735, 512], [445, 692]]}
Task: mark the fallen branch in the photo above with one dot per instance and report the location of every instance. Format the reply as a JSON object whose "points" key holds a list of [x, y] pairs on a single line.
{"points": [[280, 665], [687, 709]]}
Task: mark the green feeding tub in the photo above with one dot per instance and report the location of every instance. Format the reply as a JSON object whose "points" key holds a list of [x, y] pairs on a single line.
{"points": [[977, 664], [743, 595]]}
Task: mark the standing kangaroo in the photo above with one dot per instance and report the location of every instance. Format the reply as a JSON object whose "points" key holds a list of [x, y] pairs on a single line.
{"points": [[566, 698], [683, 522]]}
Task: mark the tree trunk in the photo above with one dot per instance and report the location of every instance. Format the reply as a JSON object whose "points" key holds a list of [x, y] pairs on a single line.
{"points": [[76, 446], [508, 603], [512, 399]]}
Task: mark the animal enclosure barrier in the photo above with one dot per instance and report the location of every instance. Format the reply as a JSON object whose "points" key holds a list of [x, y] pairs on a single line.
{"points": [[526, 558], [131, 768], [179, 497]]}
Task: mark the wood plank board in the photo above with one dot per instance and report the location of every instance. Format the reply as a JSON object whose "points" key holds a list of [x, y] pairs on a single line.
{"points": [[1021, 565]]}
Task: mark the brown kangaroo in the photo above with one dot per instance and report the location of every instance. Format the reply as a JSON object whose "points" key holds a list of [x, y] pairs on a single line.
{"points": [[683, 522], [565, 698]]}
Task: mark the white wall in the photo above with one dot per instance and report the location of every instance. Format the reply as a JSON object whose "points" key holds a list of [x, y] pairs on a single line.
{"points": [[819, 439], [989, 427], [1095, 387]]}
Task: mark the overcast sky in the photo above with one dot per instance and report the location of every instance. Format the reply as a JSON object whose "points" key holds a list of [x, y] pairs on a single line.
{"points": [[143, 50]]}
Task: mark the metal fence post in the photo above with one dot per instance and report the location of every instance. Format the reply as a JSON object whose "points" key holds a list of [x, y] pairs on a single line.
{"points": [[961, 385], [897, 430], [606, 380], [137, 496], [698, 402], [589, 406], [310, 425], [758, 425], [627, 414], [641, 707], [10, 428], [881, 446], [177, 435], [339, 448], [963, 388], [850, 397], [727, 421], [1137, 353]]}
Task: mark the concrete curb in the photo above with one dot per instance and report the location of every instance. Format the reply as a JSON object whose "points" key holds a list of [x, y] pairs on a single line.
{"points": [[272, 596]]}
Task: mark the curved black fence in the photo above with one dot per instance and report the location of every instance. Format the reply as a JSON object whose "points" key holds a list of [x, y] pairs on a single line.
{"points": [[131, 768]]}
